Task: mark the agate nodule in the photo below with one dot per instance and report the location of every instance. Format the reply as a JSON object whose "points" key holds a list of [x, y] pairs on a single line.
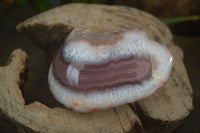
{"points": [[98, 71]]}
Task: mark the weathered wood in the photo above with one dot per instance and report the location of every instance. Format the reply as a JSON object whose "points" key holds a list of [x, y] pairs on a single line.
{"points": [[161, 112], [50, 27]]}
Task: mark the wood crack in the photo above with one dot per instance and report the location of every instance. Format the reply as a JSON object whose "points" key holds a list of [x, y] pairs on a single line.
{"points": [[117, 115]]}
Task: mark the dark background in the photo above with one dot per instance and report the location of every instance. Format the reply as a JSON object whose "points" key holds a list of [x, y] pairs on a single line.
{"points": [[186, 35]]}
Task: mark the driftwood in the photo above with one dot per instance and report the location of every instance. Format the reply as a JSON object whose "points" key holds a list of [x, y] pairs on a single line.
{"points": [[161, 112]]}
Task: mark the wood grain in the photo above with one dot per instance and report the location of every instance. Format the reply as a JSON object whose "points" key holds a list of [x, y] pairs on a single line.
{"points": [[161, 112]]}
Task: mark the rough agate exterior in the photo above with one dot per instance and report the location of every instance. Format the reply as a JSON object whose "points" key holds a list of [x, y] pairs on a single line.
{"points": [[99, 71]]}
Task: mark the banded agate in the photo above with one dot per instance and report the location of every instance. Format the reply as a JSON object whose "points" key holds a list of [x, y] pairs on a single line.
{"points": [[98, 71]]}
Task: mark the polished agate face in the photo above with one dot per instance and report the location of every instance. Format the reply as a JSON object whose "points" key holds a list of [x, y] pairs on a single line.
{"points": [[98, 71]]}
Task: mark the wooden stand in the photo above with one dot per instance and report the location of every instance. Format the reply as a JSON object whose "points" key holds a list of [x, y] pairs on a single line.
{"points": [[161, 112]]}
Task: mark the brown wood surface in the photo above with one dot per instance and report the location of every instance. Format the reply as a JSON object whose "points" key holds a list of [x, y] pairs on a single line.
{"points": [[161, 112]]}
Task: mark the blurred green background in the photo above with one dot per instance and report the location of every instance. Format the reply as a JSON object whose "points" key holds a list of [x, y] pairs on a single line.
{"points": [[182, 17]]}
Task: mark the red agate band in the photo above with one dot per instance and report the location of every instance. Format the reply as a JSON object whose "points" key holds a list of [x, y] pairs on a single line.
{"points": [[102, 76]]}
